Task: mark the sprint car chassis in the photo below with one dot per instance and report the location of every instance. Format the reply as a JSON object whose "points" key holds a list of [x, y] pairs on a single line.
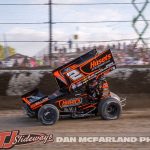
{"points": [[82, 91]]}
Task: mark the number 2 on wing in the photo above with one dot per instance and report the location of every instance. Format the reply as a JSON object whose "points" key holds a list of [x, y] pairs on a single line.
{"points": [[74, 74]]}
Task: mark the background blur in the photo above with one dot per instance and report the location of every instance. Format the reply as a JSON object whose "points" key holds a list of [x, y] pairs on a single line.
{"points": [[37, 36], [37, 33]]}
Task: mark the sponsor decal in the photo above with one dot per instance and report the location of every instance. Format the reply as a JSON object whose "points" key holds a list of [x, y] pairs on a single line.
{"points": [[95, 63], [101, 62], [9, 139], [66, 103]]}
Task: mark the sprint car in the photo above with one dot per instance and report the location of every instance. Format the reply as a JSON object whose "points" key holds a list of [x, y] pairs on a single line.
{"points": [[82, 91]]}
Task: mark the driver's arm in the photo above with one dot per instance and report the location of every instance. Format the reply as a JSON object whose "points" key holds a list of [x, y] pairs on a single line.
{"points": [[104, 88]]}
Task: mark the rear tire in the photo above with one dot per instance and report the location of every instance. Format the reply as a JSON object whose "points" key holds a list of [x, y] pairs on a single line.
{"points": [[48, 114], [110, 109]]}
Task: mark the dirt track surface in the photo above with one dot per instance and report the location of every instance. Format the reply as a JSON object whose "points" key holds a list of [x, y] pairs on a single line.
{"points": [[132, 123]]}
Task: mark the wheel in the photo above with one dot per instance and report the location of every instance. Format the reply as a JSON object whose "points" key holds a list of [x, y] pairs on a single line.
{"points": [[109, 109], [29, 112], [48, 114]]}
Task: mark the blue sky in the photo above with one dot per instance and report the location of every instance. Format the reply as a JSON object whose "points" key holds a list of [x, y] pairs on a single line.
{"points": [[105, 31]]}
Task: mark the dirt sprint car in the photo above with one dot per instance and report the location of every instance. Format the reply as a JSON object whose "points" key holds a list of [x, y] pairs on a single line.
{"points": [[83, 91]]}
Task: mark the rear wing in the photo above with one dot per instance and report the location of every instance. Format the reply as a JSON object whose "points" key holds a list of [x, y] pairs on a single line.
{"points": [[84, 68]]}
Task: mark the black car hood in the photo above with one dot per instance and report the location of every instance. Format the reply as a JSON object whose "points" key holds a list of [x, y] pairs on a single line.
{"points": [[57, 94]]}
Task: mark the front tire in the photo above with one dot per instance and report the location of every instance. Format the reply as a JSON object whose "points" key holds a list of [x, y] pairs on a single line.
{"points": [[110, 109], [48, 114]]}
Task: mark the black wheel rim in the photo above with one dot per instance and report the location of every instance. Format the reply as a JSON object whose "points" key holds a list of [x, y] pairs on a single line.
{"points": [[112, 109], [49, 115]]}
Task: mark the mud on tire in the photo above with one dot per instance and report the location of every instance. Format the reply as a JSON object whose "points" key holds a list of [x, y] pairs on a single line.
{"points": [[48, 114], [109, 109]]}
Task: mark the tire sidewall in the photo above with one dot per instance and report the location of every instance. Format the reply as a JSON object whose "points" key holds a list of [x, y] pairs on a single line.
{"points": [[42, 111], [104, 104]]}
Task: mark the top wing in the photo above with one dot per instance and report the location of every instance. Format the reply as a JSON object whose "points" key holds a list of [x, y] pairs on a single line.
{"points": [[85, 68]]}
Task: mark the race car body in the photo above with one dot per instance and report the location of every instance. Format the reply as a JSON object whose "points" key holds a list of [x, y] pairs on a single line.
{"points": [[82, 91]]}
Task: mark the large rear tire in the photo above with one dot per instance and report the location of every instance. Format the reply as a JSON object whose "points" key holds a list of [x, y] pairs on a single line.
{"points": [[110, 109], [48, 114]]}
